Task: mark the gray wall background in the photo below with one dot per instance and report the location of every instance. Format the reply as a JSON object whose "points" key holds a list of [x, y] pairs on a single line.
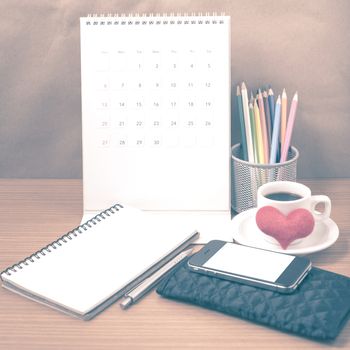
{"points": [[299, 45]]}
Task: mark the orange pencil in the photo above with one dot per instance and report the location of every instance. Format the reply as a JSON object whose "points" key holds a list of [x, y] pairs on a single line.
{"points": [[263, 126]]}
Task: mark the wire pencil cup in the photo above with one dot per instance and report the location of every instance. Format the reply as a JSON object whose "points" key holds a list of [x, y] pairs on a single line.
{"points": [[248, 177]]}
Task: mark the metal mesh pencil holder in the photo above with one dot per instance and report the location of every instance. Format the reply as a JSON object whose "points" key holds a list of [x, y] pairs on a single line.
{"points": [[248, 177]]}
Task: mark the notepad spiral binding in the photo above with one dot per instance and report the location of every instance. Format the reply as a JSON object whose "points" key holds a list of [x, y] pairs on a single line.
{"points": [[63, 239], [157, 19]]}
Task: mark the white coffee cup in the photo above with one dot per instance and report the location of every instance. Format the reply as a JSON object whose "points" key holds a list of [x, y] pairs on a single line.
{"points": [[302, 199]]}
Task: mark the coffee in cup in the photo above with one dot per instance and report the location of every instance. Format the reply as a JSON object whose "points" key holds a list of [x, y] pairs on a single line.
{"points": [[287, 211]]}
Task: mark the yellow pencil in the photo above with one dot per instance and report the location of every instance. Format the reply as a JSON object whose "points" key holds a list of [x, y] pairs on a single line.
{"points": [[283, 117], [252, 125], [259, 138]]}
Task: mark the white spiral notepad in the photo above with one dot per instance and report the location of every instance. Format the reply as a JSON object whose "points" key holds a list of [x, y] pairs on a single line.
{"points": [[92, 266], [156, 112]]}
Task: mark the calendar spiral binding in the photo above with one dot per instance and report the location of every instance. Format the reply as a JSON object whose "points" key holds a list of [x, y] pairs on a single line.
{"points": [[62, 240], [156, 19]]}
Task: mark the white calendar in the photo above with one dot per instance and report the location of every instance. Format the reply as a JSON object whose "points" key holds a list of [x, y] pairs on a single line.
{"points": [[156, 112]]}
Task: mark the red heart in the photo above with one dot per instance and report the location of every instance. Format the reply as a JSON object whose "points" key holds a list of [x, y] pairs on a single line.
{"points": [[285, 229]]}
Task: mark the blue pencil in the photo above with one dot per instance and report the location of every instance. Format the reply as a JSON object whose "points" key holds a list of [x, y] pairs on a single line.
{"points": [[241, 120], [268, 118], [271, 99], [276, 131]]}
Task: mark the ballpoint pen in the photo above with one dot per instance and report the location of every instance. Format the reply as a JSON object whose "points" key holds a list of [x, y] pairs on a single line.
{"points": [[145, 286]]}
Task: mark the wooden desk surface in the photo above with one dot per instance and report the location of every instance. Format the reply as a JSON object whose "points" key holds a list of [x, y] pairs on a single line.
{"points": [[34, 212]]}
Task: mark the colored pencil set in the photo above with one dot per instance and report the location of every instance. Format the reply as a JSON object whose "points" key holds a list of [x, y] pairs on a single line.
{"points": [[266, 131]]}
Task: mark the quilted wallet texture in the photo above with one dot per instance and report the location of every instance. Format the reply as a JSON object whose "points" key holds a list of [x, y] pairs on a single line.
{"points": [[318, 309]]}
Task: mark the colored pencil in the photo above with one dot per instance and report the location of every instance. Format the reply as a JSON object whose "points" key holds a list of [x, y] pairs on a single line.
{"points": [[263, 126], [271, 99], [276, 131], [268, 118], [258, 134], [241, 120], [247, 123], [252, 124], [290, 126], [283, 117]]}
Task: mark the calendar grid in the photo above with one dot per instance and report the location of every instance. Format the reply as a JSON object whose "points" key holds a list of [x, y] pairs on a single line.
{"points": [[156, 98]]}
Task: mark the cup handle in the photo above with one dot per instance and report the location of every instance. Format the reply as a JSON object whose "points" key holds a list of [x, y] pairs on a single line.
{"points": [[327, 207]]}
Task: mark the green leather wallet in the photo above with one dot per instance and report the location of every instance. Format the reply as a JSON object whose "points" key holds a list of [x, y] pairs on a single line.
{"points": [[318, 309]]}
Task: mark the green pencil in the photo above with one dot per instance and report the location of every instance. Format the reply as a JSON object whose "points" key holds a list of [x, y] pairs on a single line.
{"points": [[252, 126], [241, 119]]}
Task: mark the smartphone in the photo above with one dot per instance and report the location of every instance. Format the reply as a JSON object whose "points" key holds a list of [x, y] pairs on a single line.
{"points": [[252, 266]]}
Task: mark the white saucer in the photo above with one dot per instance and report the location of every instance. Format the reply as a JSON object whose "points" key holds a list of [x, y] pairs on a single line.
{"points": [[245, 231]]}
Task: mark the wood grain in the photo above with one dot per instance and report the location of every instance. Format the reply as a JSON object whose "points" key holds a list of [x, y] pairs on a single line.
{"points": [[35, 212]]}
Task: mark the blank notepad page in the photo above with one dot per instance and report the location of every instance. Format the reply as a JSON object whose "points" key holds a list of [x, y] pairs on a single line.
{"points": [[88, 269]]}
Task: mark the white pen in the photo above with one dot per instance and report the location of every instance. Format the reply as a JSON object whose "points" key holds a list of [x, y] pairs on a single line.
{"points": [[145, 286]]}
